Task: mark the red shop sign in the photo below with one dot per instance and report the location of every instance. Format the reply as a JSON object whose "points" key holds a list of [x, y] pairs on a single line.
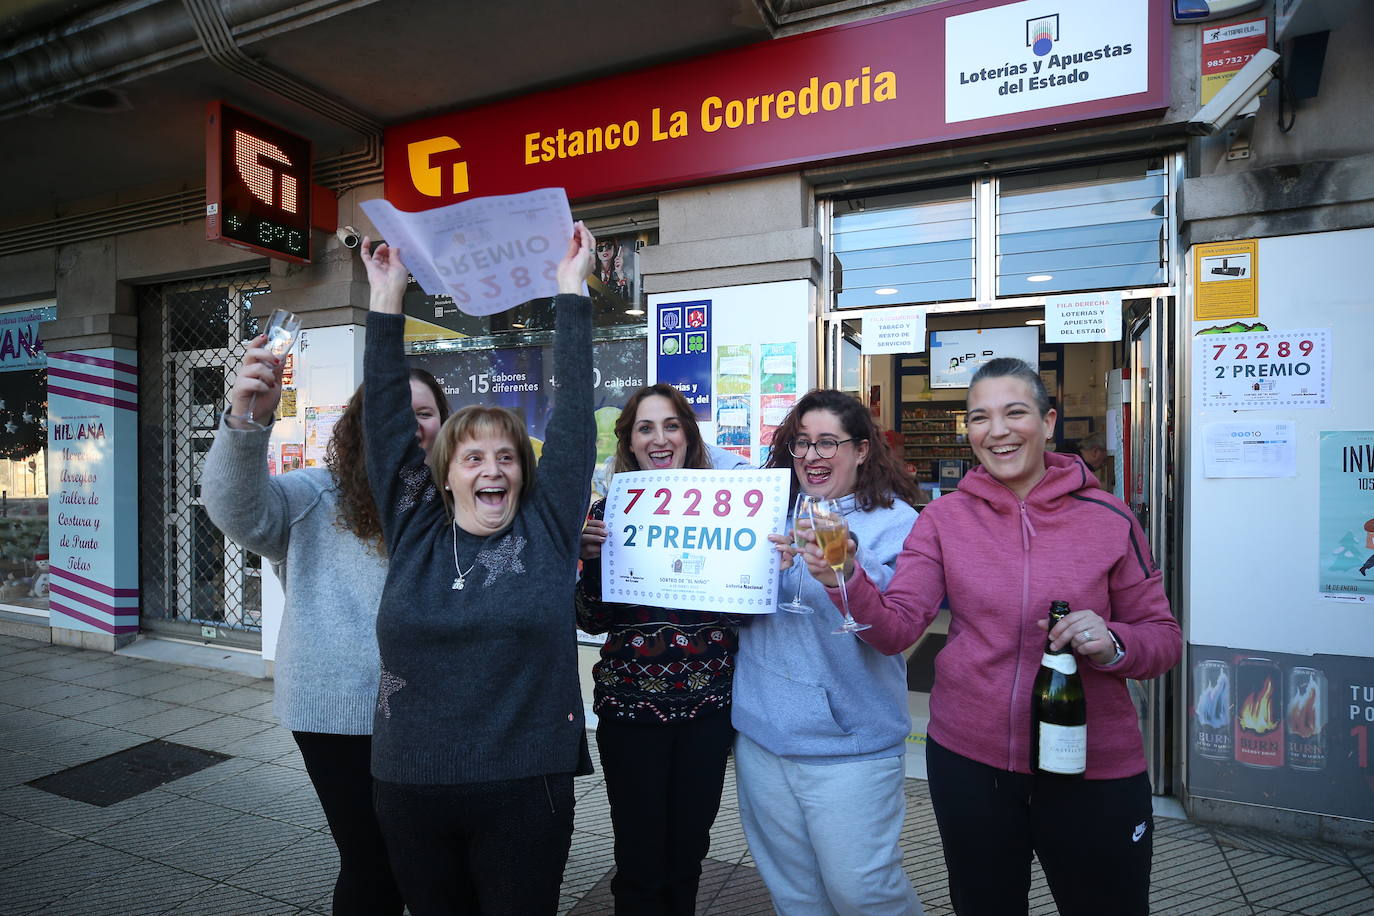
{"points": [[939, 74]]}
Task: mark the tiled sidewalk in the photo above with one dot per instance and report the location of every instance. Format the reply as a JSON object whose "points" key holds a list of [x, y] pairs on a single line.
{"points": [[246, 836]]}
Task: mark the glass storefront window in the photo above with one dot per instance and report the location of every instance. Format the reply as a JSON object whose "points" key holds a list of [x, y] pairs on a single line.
{"points": [[507, 359], [614, 287], [1101, 226], [23, 459], [911, 246]]}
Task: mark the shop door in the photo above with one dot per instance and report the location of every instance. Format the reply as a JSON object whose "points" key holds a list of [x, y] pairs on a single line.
{"points": [[196, 583], [1149, 490]]}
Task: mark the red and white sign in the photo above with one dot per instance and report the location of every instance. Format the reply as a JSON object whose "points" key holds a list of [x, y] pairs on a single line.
{"points": [[696, 540], [862, 89], [1227, 48], [1264, 369]]}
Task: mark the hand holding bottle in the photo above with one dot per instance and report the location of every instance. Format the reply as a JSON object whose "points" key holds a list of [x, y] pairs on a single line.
{"points": [[1086, 632]]}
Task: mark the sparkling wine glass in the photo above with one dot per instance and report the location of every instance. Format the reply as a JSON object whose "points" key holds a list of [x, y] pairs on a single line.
{"points": [[832, 533], [282, 329], [796, 606]]}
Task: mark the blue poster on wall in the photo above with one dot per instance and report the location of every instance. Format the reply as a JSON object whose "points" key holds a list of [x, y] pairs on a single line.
{"points": [[683, 343], [1346, 531]]}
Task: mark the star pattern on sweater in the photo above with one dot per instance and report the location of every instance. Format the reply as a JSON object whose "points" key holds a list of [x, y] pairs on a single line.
{"points": [[412, 482], [389, 685], [503, 558]]}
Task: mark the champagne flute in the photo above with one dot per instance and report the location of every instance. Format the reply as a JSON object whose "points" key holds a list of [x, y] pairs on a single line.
{"points": [[281, 331], [832, 534], [795, 605]]}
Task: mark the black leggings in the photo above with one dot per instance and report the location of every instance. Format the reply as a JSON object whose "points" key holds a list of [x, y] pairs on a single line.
{"points": [[490, 848], [664, 784], [339, 768], [1094, 838]]}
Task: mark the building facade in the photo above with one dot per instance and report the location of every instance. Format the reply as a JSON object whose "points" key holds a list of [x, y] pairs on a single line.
{"points": [[980, 177]]}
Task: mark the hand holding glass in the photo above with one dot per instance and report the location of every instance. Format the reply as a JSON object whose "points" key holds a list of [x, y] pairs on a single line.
{"points": [[282, 329], [832, 534], [795, 605]]}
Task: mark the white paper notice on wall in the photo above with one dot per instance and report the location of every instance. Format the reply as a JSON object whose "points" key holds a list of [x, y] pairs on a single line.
{"points": [[895, 332], [1263, 370], [1266, 449], [488, 254], [1083, 317]]}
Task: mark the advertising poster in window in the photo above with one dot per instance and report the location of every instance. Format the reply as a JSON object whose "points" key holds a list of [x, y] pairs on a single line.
{"points": [[1282, 730], [521, 379], [682, 338], [759, 357], [956, 355], [1346, 545], [613, 287]]}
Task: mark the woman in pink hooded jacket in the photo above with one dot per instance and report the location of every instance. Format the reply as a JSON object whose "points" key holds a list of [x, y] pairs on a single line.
{"points": [[1025, 529]]}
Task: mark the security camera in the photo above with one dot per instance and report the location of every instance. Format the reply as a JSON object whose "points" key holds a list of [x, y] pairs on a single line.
{"points": [[1238, 98], [349, 236]]}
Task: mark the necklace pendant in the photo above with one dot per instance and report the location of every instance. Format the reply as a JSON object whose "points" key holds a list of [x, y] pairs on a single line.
{"points": [[458, 584]]}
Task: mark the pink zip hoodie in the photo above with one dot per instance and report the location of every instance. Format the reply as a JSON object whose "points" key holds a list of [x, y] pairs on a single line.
{"points": [[1001, 562]]}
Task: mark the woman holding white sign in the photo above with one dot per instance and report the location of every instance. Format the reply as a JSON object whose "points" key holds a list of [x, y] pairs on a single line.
{"points": [[662, 691], [478, 729], [822, 718]]}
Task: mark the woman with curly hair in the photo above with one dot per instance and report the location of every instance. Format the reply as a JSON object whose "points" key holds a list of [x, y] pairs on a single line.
{"points": [[320, 527]]}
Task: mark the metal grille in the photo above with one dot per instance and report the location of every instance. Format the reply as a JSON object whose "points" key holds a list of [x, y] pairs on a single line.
{"points": [[192, 335]]}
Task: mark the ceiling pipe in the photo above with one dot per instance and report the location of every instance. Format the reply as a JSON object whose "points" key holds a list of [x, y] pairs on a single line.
{"points": [[125, 41]]}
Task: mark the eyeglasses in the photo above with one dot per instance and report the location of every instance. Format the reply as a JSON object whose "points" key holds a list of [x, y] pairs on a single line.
{"points": [[604, 245], [825, 448]]}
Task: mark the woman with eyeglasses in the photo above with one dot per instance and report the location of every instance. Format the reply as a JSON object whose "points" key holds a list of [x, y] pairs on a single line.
{"points": [[822, 718]]}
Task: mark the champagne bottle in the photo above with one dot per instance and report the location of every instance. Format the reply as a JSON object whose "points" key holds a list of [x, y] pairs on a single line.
{"points": [[1059, 715]]}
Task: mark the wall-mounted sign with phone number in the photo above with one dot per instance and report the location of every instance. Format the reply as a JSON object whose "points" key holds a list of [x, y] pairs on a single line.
{"points": [[1264, 370], [696, 540]]}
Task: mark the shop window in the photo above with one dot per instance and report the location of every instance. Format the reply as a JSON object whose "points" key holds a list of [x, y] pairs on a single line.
{"points": [[23, 459], [616, 293], [507, 359], [1093, 227], [911, 246]]}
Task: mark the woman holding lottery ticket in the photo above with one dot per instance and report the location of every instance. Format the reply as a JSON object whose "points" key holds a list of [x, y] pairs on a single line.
{"points": [[822, 716], [662, 690]]}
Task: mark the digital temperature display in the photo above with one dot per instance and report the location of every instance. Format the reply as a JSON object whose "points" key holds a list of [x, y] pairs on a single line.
{"points": [[257, 185]]}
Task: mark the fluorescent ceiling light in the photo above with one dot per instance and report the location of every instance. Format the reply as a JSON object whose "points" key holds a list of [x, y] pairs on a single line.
{"points": [[1035, 321], [1039, 278], [635, 312], [885, 291]]}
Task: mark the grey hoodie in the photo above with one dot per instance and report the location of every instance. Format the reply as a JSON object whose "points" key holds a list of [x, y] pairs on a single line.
{"points": [[803, 693]]}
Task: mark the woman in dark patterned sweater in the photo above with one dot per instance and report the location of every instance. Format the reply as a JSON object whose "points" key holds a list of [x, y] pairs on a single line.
{"points": [[662, 691]]}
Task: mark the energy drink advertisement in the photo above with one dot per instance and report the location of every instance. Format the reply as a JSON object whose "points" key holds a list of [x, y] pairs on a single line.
{"points": [[1282, 730]]}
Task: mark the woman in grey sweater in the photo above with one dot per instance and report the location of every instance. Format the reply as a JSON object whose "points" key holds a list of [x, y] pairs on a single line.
{"points": [[319, 526]]}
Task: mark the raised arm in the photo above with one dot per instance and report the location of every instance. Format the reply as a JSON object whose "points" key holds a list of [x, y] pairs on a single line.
{"points": [[396, 466], [565, 469], [249, 506]]}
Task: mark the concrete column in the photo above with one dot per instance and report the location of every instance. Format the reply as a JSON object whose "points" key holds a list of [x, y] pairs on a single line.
{"points": [[755, 231]]}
